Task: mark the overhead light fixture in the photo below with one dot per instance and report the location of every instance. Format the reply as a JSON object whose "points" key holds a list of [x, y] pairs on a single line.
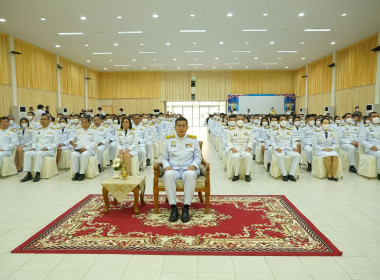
{"points": [[241, 51], [246, 66], [101, 53], [69, 33], [167, 43], [57, 46], [221, 43], [303, 58], [194, 51], [256, 58], [43, 19], [83, 18], [88, 60], [302, 43], [270, 63], [134, 59], [111, 60], [272, 43], [265, 14], [286, 67], [146, 52], [196, 67], [216, 58], [178, 67], [236, 58], [143, 67], [155, 16], [287, 51], [246, 43], [3, 20], [267, 67], [254, 30], [194, 64], [141, 44], [105, 68], [301, 14], [121, 65], [154, 59], [115, 44], [280, 58], [192, 15], [119, 17], [232, 63], [332, 43], [124, 68], [130, 32], [194, 43], [317, 29], [161, 68], [86, 45], [213, 67], [343, 15], [174, 59], [157, 65], [230, 67], [229, 14], [192, 30]]}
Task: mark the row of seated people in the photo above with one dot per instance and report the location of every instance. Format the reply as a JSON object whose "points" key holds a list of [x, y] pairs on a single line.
{"points": [[282, 136], [82, 137]]}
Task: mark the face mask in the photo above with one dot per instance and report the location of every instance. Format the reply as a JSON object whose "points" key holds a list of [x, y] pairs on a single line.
{"points": [[326, 126], [376, 120], [75, 121], [357, 109], [145, 121], [232, 123], [115, 121], [296, 123], [302, 121], [290, 120], [109, 121], [265, 123], [252, 120], [63, 125], [239, 123], [311, 123], [318, 122], [260, 118], [283, 123], [58, 119], [24, 125], [69, 122], [11, 122], [160, 118], [337, 121], [349, 120], [367, 121], [29, 118], [121, 112], [255, 121], [274, 123], [153, 120]]}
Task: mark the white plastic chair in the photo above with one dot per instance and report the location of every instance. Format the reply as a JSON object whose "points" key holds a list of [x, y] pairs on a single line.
{"points": [[367, 164], [275, 171], [230, 169], [65, 160], [8, 166], [319, 170], [92, 169], [49, 167]]}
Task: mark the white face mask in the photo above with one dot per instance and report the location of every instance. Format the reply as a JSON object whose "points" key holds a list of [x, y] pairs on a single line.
{"points": [[121, 112], [265, 123], [337, 121], [376, 120], [356, 109], [11, 122], [160, 118], [274, 123], [232, 123], [296, 123], [290, 120], [252, 120], [311, 123], [115, 121], [255, 121], [318, 122], [144, 121], [240, 123], [367, 121], [109, 121], [325, 126], [75, 121], [24, 125], [302, 121], [349, 120], [69, 122], [153, 120], [29, 118], [283, 123], [63, 125]]}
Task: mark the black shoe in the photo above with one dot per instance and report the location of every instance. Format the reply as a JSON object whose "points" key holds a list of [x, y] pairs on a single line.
{"points": [[173, 214], [254, 158], [330, 178], [285, 178], [37, 177], [76, 176], [81, 177], [308, 169], [292, 178], [185, 214], [247, 178], [27, 177], [353, 169], [235, 178], [335, 179], [148, 162], [99, 168], [268, 168], [378, 177]]}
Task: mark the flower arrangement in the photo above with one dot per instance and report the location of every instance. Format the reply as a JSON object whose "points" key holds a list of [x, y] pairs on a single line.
{"points": [[117, 164]]}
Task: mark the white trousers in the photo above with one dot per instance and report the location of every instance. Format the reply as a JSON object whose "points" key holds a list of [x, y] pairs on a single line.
{"points": [[309, 153], [29, 156], [148, 149], [377, 156], [351, 153], [254, 143], [4, 154], [235, 157], [112, 150], [101, 149], [142, 153], [269, 153], [281, 161], [189, 178], [80, 161]]}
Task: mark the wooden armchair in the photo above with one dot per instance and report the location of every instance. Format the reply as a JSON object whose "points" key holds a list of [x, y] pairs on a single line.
{"points": [[202, 183]]}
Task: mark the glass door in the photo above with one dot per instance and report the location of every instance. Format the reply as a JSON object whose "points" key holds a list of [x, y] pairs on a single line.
{"points": [[188, 114]]}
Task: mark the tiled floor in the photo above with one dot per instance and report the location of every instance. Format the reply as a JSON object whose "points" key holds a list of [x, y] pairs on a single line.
{"points": [[347, 212]]}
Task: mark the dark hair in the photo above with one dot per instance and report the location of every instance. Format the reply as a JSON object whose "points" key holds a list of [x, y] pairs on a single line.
{"points": [[31, 113], [4, 118], [76, 115], [108, 115], [45, 115], [309, 116], [370, 114], [121, 109], [99, 108], [97, 116], [24, 119], [282, 116], [264, 118], [122, 120], [336, 117], [87, 117], [324, 118], [40, 106], [273, 117], [63, 119], [345, 115], [181, 119]]}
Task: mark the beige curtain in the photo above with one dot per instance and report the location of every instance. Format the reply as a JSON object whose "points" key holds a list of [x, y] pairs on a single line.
{"points": [[259, 82], [73, 103], [4, 60], [93, 83], [92, 104], [347, 99], [212, 85], [130, 85], [319, 76], [175, 86], [5, 100], [317, 103], [72, 77], [133, 106], [32, 97], [300, 103], [299, 82], [356, 64], [35, 67]]}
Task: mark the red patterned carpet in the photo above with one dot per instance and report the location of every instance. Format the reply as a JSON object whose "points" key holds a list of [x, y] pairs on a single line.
{"points": [[236, 225]]}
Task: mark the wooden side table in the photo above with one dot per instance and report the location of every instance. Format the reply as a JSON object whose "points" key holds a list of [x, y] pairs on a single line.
{"points": [[120, 188]]}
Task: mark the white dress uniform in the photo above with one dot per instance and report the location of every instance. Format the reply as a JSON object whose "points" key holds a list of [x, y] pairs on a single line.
{"points": [[64, 137], [42, 138], [321, 141], [84, 139], [150, 138], [180, 153], [38, 114], [8, 141], [140, 131], [240, 139], [285, 139], [347, 135], [112, 137], [306, 135], [127, 140], [25, 137], [103, 137], [255, 132], [370, 136]]}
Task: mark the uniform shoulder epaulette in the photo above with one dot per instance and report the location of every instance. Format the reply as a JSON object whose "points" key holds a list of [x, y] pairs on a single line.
{"points": [[276, 128], [289, 128], [191, 136], [232, 128], [354, 124], [259, 125], [39, 128], [151, 124], [20, 128], [94, 127], [158, 122], [170, 136], [367, 125], [317, 130], [248, 127], [119, 129], [342, 124], [267, 127], [79, 127], [331, 130], [132, 129], [53, 128], [30, 127], [227, 127], [13, 130], [303, 125], [144, 125]]}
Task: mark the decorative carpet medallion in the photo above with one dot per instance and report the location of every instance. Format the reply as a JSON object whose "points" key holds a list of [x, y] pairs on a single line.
{"points": [[236, 225]]}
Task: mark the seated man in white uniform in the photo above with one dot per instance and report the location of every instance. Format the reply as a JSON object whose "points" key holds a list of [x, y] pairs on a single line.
{"points": [[284, 143], [112, 136], [44, 144], [140, 131], [150, 137], [84, 141], [103, 138], [181, 157], [8, 139], [239, 144], [370, 138], [349, 140], [306, 135]]}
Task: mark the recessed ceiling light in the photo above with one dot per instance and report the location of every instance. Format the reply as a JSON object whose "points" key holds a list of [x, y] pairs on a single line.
{"points": [[167, 43], [256, 58], [254, 30], [229, 14], [280, 58], [155, 16], [144, 67], [124, 68], [272, 43], [174, 59], [266, 66], [301, 14], [302, 43], [194, 43], [213, 67], [86, 45], [130, 32], [241, 51], [101, 53], [230, 67], [192, 30], [70, 33], [194, 64], [195, 58], [157, 65], [142, 44], [111, 60], [303, 58], [317, 29], [236, 58], [119, 17], [3, 20], [332, 43], [246, 66], [105, 68], [343, 15], [88, 60], [194, 51], [287, 51], [147, 52], [221, 43], [154, 59], [265, 15], [122, 65], [246, 43], [83, 18], [57, 46], [286, 67], [192, 15], [43, 19], [196, 67], [178, 67], [216, 58], [115, 44], [161, 68], [270, 63], [232, 63], [134, 59]]}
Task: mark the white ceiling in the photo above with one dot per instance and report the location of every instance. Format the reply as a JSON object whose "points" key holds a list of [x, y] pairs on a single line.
{"points": [[285, 29]]}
